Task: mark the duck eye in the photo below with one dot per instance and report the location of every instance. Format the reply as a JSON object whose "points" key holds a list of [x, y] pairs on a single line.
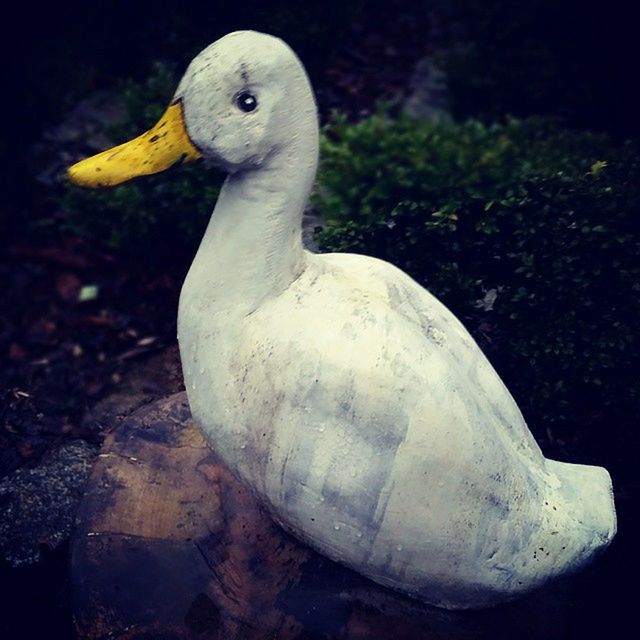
{"points": [[246, 102]]}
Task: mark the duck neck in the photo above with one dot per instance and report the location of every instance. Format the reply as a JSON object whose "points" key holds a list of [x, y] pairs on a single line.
{"points": [[252, 249]]}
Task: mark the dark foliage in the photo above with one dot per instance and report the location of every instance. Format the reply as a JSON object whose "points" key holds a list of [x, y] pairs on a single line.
{"points": [[56, 53], [542, 57]]}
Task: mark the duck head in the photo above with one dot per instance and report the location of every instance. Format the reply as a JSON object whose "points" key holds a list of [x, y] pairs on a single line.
{"points": [[242, 100]]}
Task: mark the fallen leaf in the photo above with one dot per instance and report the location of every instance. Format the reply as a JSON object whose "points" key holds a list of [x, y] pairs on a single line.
{"points": [[95, 321], [50, 254], [26, 450], [88, 292], [68, 286], [16, 352]]}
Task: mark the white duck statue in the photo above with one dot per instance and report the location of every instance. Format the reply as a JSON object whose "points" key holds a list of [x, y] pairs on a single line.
{"points": [[353, 403]]}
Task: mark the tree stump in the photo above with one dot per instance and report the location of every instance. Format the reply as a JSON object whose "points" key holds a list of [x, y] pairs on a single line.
{"points": [[169, 545]]}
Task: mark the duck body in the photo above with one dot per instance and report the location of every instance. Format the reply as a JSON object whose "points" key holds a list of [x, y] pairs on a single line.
{"points": [[371, 425], [353, 403]]}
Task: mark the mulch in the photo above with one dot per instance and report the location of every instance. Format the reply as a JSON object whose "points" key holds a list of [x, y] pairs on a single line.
{"points": [[74, 320]]}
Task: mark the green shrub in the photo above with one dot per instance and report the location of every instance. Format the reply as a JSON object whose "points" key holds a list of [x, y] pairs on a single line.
{"points": [[540, 218]]}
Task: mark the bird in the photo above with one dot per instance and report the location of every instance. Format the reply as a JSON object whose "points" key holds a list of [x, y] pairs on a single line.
{"points": [[357, 407]]}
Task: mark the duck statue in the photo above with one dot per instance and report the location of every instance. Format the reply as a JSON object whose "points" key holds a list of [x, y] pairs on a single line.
{"points": [[354, 404]]}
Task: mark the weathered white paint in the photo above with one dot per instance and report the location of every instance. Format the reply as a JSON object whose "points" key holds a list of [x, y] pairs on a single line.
{"points": [[352, 401]]}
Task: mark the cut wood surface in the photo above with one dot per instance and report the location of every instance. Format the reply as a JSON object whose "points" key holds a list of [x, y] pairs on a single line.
{"points": [[169, 545]]}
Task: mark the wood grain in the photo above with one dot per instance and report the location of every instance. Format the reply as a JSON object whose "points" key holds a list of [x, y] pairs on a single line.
{"points": [[169, 545]]}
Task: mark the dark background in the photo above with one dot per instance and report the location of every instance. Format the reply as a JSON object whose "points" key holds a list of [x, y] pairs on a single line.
{"points": [[571, 59], [568, 60]]}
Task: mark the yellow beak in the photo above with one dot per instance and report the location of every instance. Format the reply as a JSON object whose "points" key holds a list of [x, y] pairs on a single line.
{"points": [[164, 145]]}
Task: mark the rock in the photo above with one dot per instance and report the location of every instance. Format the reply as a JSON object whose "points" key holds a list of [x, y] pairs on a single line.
{"points": [[428, 94], [169, 544], [39, 504], [310, 221], [65, 143]]}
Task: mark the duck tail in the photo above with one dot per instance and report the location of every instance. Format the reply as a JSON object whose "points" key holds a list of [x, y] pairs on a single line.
{"points": [[590, 508]]}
